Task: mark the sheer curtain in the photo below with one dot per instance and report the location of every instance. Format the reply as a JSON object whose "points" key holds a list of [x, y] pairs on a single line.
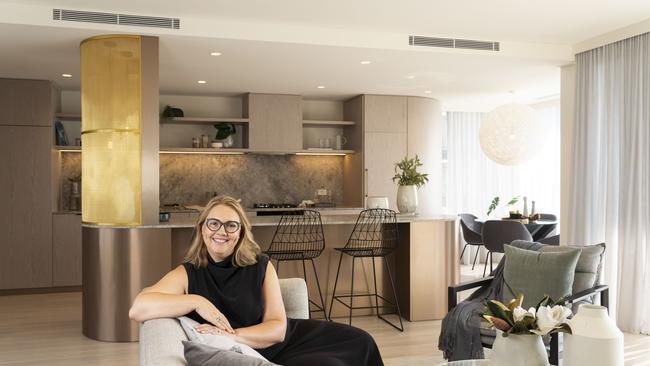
{"points": [[473, 179], [610, 187]]}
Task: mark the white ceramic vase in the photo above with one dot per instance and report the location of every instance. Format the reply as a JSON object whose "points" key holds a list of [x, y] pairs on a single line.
{"points": [[407, 199], [228, 141], [518, 350], [595, 339]]}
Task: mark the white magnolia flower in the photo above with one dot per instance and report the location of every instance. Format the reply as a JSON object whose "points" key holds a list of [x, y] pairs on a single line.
{"points": [[549, 318], [520, 313]]}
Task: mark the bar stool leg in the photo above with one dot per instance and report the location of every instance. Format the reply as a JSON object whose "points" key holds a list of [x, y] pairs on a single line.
{"points": [[334, 290], [374, 276], [304, 274], [392, 286], [351, 290], [320, 294]]}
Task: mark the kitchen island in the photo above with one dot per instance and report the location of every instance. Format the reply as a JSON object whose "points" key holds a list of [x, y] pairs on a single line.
{"points": [[118, 261]]}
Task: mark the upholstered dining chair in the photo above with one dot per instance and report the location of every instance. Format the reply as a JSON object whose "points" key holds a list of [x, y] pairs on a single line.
{"points": [[547, 230], [471, 230], [496, 233]]}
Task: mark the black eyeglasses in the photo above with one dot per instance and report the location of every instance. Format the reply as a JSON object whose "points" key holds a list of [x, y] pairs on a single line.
{"points": [[229, 226]]}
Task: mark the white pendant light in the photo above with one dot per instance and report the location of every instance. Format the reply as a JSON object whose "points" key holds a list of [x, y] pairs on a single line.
{"points": [[512, 134]]}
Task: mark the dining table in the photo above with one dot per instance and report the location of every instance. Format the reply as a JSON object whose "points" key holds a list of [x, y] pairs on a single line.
{"points": [[538, 229]]}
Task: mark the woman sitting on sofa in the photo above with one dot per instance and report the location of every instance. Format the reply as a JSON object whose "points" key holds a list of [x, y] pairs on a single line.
{"points": [[231, 289]]}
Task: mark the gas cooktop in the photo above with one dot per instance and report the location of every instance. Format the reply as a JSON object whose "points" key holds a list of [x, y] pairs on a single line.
{"points": [[275, 205]]}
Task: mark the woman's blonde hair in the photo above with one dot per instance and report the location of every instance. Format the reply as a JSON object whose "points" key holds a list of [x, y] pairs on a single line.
{"points": [[246, 249]]}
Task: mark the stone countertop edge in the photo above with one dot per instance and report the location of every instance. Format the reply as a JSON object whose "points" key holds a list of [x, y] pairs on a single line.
{"points": [[273, 221]]}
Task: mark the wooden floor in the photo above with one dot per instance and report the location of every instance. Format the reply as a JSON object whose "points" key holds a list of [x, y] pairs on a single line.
{"points": [[46, 330]]}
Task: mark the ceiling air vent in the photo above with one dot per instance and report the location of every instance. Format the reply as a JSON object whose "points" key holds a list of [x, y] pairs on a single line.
{"points": [[114, 18], [453, 43]]}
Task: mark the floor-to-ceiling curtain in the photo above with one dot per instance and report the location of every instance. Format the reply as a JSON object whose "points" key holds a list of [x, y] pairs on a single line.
{"points": [[610, 185], [473, 179]]}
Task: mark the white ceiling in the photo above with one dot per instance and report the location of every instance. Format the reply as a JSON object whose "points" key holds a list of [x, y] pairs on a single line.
{"points": [[265, 60]]}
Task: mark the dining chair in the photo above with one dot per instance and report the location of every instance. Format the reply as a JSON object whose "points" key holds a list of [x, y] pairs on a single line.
{"points": [[496, 233], [547, 230], [471, 230]]}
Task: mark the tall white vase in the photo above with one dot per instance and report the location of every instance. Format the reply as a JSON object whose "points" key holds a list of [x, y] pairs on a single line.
{"points": [[595, 340], [407, 199], [518, 350]]}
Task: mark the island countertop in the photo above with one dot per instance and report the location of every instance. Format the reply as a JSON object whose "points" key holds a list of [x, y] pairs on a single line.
{"points": [[328, 219]]}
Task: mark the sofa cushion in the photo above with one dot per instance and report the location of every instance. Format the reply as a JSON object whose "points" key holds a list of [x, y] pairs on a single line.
{"points": [[589, 263], [536, 274], [214, 340], [198, 354]]}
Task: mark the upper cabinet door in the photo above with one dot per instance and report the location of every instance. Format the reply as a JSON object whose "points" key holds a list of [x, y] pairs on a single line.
{"points": [[385, 113], [27, 102], [275, 121]]}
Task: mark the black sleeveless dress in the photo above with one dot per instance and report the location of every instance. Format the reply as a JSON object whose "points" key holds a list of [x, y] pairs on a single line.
{"points": [[237, 293]]}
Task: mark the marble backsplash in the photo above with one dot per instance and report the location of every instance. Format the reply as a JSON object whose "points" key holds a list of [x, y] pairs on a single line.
{"points": [[192, 179]]}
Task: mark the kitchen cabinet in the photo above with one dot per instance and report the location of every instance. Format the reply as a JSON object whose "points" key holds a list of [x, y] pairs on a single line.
{"points": [[25, 218], [275, 121], [381, 151], [385, 113], [66, 249], [27, 102]]}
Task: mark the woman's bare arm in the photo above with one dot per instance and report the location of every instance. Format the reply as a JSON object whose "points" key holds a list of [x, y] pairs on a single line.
{"points": [[169, 299], [273, 327]]}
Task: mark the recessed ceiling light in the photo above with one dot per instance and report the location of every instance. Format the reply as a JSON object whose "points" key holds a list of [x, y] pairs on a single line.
{"points": [[321, 87], [66, 75], [427, 92], [215, 53], [201, 81], [409, 77], [365, 62]]}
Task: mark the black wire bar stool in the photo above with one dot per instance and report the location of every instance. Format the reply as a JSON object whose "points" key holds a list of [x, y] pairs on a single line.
{"points": [[300, 237], [374, 235]]}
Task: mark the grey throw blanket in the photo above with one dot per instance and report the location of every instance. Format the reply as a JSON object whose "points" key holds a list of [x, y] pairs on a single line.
{"points": [[460, 336]]}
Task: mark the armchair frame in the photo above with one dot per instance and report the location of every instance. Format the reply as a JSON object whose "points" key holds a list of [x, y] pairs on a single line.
{"points": [[554, 354]]}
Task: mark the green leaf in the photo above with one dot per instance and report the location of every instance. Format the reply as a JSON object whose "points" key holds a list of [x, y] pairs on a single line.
{"points": [[514, 200], [406, 173], [493, 205], [500, 311], [224, 129]]}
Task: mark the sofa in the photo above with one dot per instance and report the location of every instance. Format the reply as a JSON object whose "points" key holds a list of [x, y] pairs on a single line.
{"points": [[160, 339]]}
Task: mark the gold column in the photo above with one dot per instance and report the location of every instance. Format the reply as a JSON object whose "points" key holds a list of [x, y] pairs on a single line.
{"points": [[116, 104]]}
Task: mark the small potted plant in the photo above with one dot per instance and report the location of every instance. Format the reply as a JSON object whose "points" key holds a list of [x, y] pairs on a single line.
{"points": [[225, 130], [409, 180], [521, 330], [496, 201]]}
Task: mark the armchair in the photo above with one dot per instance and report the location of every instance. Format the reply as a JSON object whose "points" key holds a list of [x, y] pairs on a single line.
{"points": [[160, 339], [490, 288]]}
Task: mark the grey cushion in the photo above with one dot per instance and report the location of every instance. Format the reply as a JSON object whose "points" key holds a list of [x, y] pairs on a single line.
{"points": [[589, 264], [198, 354], [536, 274], [215, 340]]}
